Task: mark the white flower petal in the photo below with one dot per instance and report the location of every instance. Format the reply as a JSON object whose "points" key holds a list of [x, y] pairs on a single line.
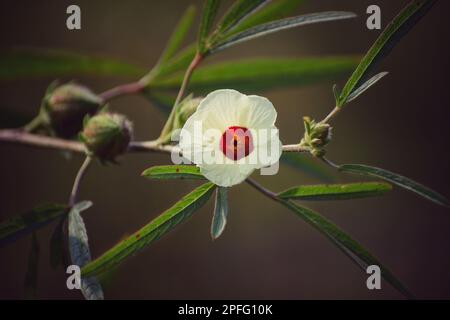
{"points": [[226, 175]]}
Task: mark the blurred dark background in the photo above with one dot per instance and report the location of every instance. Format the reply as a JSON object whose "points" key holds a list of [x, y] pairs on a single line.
{"points": [[266, 252]]}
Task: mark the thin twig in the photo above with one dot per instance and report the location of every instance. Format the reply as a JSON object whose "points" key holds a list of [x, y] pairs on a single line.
{"points": [[40, 141], [187, 76], [78, 178], [261, 189], [124, 89], [332, 114]]}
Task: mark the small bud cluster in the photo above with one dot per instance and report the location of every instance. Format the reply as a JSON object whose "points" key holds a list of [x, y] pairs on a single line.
{"points": [[316, 137]]}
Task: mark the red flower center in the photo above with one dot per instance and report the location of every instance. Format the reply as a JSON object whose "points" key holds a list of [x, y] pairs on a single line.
{"points": [[236, 142]]}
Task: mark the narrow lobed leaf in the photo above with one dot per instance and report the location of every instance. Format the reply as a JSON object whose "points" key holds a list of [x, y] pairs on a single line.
{"points": [[366, 85], [345, 243], [24, 224], [396, 179], [263, 73], [392, 34], [151, 232], [208, 17], [32, 62], [240, 10], [279, 25], [336, 191], [79, 250], [219, 220], [173, 172], [275, 10], [179, 34]]}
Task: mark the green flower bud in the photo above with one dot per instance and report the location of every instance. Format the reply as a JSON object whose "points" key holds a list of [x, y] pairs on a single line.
{"points": [[65, 107], [316, 137], [107, 135], [185, 109]]}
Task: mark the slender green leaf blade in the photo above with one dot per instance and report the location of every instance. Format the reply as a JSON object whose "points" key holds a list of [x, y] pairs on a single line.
{"points": [[396, 179], [25, 63], [31, 276], [308, 165], [209, 14], [336, 191], [178, 63], [240, 10], [179, 34], [279, 25], [24, 224], [264, 73], [80, 252], [272, 11], [154, 230], [219, 220], [366, 85], [350, 247], [393, 33], [173, 172]]}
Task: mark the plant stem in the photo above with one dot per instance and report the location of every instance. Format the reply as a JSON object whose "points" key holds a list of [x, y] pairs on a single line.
{"points": [[331, 115], [128, 88], [41, 141], [34, 124], [78, 178], [261, 189], [295, 148], [187, 76]]}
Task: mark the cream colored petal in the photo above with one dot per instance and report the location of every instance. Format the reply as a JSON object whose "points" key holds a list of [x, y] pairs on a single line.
{"points": [[226, 175], [258, 112]]}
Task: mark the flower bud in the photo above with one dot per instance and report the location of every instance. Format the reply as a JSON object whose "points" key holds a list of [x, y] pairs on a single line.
{"points": [[316, 137], [107, 135], [185, 109], [66, 106]]}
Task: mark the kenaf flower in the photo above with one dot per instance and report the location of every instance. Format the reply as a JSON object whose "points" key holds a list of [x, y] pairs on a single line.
{"points": [[230, 135]]}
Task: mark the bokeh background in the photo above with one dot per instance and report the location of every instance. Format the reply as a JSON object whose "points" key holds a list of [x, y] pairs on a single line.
{"points": [[266, 252]]}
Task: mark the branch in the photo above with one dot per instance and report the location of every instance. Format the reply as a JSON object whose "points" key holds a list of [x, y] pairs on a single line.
{"points": [[34, 140], [78, 178]]}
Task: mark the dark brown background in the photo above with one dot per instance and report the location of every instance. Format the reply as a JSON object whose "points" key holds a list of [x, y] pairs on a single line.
{"points": [[266, 251]]}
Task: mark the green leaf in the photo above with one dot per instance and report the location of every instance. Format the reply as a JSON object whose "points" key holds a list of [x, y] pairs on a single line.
{"points": [[336, 191], [396, 179], [275, 26], [79, 250], [220, 212], [366, 85], [240, 10], [344, 242], [179, 34], [308, 165], [31, 276], [398, 27], [178, 63], [151, 232], [263, 74], [24, 224], [272, 11], [25, 63], [209, 14], [173, 172]]}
